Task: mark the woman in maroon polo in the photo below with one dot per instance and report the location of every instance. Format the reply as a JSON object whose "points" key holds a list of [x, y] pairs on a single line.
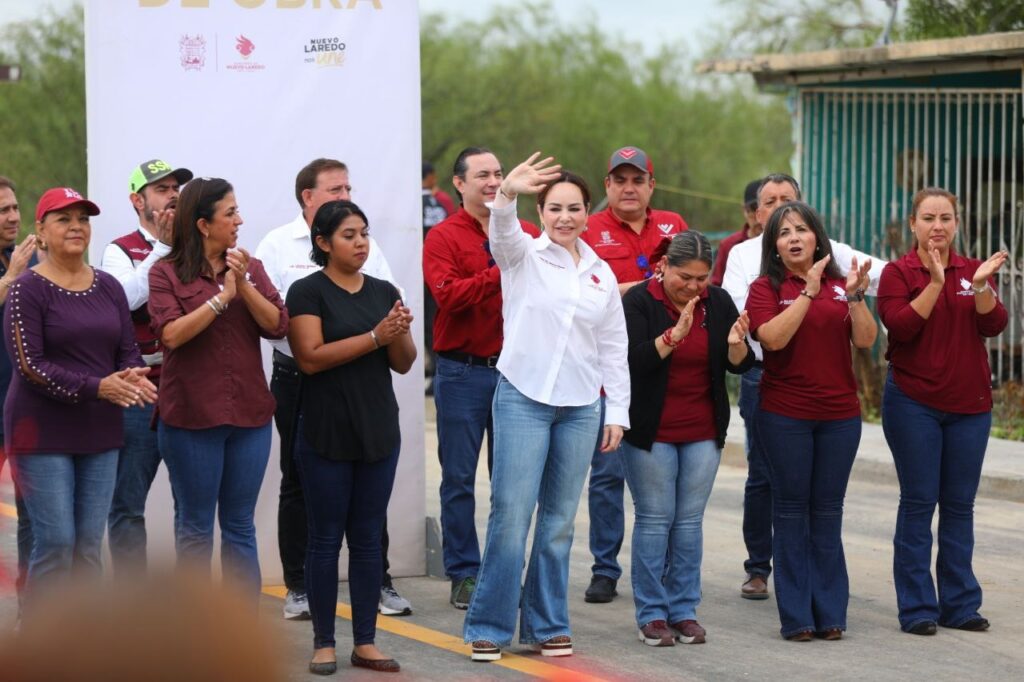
{"points": [[939, 307], [805, 314]]}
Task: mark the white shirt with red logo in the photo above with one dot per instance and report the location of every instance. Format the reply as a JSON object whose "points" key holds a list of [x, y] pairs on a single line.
{"points": [[565, 332]]}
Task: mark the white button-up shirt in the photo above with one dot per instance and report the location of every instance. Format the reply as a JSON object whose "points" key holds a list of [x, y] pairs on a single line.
{"points": [[565, 332], [134, 279], [744, 266], [285, 251]]}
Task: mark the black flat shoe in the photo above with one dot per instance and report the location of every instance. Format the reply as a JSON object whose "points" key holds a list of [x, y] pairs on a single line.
{"points": [[383, 665], [977, 624], [326, 668], [925, 627]]}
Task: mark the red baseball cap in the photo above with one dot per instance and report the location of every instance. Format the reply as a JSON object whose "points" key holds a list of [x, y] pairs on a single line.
{"points": [[631, 156], [61, 197]]}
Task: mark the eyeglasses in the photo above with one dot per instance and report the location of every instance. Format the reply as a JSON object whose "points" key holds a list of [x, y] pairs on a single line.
{"points": [[645, 265], [487, 248]]}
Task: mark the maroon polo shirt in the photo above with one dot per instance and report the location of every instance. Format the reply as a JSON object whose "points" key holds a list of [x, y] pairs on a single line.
{"points": [[941, 362], [688, 415], [216, 378], [722, 257], [812, 377], [617, 244], [465, 282]]}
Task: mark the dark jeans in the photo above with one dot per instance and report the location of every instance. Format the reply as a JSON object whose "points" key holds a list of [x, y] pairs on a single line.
{"points": [[24, 529], [137, 463], [291, 506], [938, 458], [344, 500], [757, 493], [605, 505], [809, 462], [463, 395]]}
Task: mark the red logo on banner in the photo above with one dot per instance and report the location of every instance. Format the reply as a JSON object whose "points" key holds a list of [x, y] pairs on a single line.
{"points": [[244, 46]]}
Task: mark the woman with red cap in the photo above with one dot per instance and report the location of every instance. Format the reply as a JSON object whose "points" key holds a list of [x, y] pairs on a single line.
{"points": [[69, 334]]}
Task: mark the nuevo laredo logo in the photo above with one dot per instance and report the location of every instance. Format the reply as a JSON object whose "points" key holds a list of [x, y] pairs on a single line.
{"points": [[324, 52], [245, 48], [192, 52]]}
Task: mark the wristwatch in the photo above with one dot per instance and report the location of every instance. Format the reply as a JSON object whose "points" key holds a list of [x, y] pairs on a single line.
{"points": [[857, 297], [978, 291]]}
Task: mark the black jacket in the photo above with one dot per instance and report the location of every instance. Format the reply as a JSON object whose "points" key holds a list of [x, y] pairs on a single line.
{"points": [[647, 319]]}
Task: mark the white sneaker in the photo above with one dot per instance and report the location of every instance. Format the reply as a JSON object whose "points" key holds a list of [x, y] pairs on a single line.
{"points": [[295, 606], [392, 603]]}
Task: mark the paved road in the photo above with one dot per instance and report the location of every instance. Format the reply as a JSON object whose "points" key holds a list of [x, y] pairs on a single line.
{"points": [[743, 640]]}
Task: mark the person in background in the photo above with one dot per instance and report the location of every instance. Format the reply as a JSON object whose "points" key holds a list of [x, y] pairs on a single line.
{"points": [[210, 303], [464, 280], [284, 252], [154, 187], [751, 228], [939, 308], [434, 211], [68, 332], [806, 315], [683, 337], [14, 258], [625, 235], [349, 331], [431, 185], [547, 407]]}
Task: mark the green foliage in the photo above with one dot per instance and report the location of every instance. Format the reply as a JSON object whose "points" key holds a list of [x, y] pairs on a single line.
{"points": [[42, 116], [951, 18], [522, 81]]}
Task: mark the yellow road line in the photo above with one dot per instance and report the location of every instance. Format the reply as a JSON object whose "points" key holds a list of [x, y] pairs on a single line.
{"points": [[447, 642]]}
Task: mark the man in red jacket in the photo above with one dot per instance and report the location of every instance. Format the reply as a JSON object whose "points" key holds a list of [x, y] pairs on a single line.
{"points": [[466, 284], [625, 235]]}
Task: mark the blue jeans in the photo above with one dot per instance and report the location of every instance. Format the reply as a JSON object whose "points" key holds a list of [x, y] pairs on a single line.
{"points": [[343, 500], [757, 493], [217, 471], [24, 532], [938, 458], [604, 502], [137, 463], [670, 485], [810, 463], [541, 454], [67, 499], [462, 394]]}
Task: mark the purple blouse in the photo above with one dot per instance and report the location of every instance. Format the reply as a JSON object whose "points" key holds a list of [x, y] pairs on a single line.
{"points": [[61, 344]]}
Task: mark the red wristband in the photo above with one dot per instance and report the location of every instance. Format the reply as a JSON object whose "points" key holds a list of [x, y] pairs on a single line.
{"points": [[666, 338]]}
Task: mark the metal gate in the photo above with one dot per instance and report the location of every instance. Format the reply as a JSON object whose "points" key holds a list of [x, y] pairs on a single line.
{"points": [[864, 152]]}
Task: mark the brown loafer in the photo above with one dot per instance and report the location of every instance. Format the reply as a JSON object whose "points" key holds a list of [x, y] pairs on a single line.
{"points": [[755, 587], [383, 665], [802, 636], [830, 635]]}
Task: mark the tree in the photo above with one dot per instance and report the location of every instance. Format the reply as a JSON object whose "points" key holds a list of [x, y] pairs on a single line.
{"points": [[42, 116], [950, 18]]}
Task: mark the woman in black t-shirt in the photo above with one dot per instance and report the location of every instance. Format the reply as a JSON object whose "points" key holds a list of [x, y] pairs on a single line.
{"points": [[348, 331]]}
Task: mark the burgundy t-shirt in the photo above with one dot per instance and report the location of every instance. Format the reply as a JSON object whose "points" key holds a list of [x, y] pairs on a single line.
{"points": [[812, 377], [688, 414], [942, 361]]}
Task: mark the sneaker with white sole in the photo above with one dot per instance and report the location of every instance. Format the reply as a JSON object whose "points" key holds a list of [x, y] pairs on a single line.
{"points": [[295, 606], [556, 646], [657, 633], [689, 632], [392, 603], [485, 651]]}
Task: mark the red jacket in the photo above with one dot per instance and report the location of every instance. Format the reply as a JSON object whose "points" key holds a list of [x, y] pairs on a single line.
{"points": [[940, 362], [465, 282]]}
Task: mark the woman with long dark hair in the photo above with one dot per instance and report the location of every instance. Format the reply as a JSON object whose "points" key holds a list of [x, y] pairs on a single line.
{"points": [[349, 331], [684, 335], [210, 303], [939, 308], [806, 314]]}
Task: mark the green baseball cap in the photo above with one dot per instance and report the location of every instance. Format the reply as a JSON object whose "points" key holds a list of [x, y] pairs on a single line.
{"points": [[151, 171]]}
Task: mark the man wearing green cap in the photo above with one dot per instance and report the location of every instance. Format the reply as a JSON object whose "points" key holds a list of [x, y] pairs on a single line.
{"points": [[154, 187]]}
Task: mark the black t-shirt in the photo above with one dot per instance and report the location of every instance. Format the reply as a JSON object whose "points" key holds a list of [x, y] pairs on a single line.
{"points": [[349, 412]]}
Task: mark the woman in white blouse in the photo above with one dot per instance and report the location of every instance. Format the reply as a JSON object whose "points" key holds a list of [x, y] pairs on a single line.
{"points": [[565, 338]]}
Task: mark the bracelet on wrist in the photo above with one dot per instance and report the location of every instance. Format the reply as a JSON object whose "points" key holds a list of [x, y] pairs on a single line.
{"points": [[666, 338], [804, 292], [510, 197], [978, 291], [856, 297], [213, 306], [376, 341]]}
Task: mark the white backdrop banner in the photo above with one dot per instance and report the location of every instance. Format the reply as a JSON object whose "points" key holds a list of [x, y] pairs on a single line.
{"points": [[251, 91]]}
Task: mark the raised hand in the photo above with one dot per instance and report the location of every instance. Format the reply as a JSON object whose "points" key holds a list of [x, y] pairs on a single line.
{"points": [[682, 328], [739, 329], [21, 256], [858, 277], [984, 271], [813, 281], [164, 221], [531, 176], [238, 262], [934, 264]]}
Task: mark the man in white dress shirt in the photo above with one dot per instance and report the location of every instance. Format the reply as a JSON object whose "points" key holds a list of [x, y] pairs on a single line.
{"points": [[153, 191], [284, 252], [742, 268]]}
